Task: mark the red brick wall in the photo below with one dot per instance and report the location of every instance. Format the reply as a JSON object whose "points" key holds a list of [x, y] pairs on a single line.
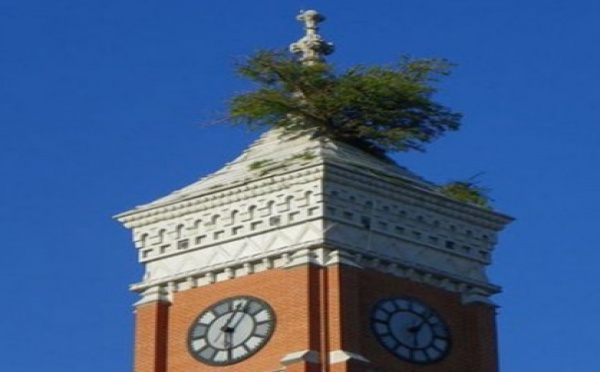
{"points": [[151, 337], [482, 337], [316, 309], [472, 326], [294, 296]]}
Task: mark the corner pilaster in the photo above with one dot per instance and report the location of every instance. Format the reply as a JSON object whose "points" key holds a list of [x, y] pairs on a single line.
{"points": [[151, 335]]}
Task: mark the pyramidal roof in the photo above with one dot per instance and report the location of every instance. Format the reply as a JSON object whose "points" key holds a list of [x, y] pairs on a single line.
{"points": [[277, 152]]}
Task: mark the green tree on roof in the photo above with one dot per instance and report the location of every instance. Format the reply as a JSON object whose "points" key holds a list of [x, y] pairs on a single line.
{"points": [[378, 109]]}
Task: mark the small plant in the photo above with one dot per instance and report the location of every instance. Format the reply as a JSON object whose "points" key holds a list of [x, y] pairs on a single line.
{"points": [[259, 164], [469, 191], [305, 156]]}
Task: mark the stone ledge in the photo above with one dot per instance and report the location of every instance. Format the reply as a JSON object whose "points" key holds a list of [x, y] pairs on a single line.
{"points": [[309, 356], [343, 356], [154, 294], [321, 254]]}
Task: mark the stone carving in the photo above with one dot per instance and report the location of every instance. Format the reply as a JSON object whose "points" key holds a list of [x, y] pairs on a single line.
{"points": [[312, 46], [330, 210]]}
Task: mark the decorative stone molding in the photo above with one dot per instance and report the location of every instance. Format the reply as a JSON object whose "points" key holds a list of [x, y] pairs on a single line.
{"points": [[322, 255], [342, 356], [154, 294], [477, 295], [341, 257], [316, 202], [312, 47], [408, 192], [217, 226], [218, 198], [309, 356], [304, 257]]}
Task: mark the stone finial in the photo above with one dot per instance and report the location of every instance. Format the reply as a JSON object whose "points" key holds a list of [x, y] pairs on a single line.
{"points": [[312, 46]]}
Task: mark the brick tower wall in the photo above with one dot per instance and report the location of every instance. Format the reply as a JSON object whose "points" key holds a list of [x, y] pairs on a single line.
{"points": [[472, 326], [318, 309]]}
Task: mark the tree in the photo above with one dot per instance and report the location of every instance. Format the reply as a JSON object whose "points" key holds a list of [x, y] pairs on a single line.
{"points": [[378, 109]]}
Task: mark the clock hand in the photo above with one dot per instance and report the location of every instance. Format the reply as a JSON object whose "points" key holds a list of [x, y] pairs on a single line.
{"points": [[226, 327], [228, 344], [415, 339], [227, 340], [239, 320], [232, 323], [417, 325], [415, 329]]}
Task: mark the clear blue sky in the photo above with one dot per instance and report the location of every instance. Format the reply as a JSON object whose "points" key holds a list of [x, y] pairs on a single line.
{"points": [[103, 106]]}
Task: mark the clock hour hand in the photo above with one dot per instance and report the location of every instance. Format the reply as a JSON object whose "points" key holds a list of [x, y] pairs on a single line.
{"points": [[416, 328], [227, 341], [228, 345], [417, 325], [228, 328], [414, 331]]}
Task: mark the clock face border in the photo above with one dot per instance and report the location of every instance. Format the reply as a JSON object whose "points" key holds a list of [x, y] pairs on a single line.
{"points": [[210, 308], [422, 313]]}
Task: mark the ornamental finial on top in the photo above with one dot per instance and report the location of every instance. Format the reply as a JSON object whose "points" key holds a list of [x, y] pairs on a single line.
{"points": [[312, 46]]}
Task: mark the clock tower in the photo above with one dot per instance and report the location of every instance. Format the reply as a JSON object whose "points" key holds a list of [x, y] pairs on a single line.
{"points": [[307, 254]]}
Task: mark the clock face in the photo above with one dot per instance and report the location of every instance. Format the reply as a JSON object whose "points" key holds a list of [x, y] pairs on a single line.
{"points": [[410, 330], [231, 330]]}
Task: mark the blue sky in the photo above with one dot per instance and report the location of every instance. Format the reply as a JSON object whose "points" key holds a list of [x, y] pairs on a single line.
{"points": [[107, 104]]}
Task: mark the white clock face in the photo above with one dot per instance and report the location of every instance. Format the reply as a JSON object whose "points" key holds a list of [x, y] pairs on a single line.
{"points": [[410, 330], [231, 330]]}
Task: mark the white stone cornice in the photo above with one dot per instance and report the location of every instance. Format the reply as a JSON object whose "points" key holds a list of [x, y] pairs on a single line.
{"points": [[406, 240], [322, 255], [297, 199], [416, 272], [342, 257], [277, 153], [153, 294], [229, 239], [267, 261], [403, 189], [476, 295], [219, 197], [410, 192]]}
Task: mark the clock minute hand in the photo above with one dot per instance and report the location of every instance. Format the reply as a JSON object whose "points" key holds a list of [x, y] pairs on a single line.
{"points": [[227, 330], [239, 320], [226, 327]]}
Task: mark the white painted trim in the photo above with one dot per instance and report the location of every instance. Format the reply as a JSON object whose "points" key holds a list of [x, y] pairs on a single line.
{"points": [[309, 356], [475, 295], [154, 294], [342, 356]]}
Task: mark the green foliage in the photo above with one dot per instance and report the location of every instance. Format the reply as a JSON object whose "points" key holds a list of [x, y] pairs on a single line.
{"points": [[379, 109], [259, 164], [469, 191], [305, 156]]}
